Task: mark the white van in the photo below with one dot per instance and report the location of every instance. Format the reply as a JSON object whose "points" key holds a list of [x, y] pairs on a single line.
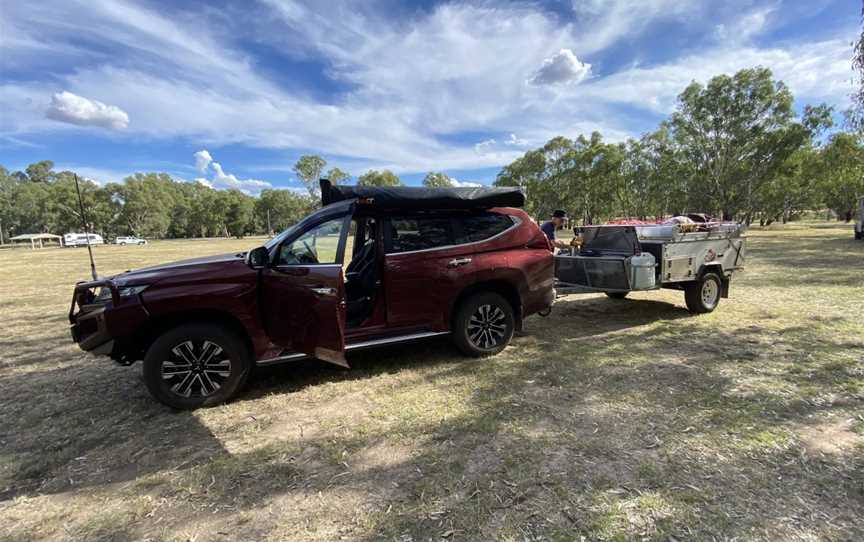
{"points": [[80, 239]]}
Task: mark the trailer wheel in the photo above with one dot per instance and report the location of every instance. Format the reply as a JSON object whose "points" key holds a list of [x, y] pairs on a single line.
{"points": [[703, 296], [616, 295]]}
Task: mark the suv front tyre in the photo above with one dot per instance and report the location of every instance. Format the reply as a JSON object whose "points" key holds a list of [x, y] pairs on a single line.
{"points": [[483, 325], [196, 365]]}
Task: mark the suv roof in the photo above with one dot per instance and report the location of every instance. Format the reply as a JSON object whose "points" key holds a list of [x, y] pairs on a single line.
{"points": [[416, 197]]}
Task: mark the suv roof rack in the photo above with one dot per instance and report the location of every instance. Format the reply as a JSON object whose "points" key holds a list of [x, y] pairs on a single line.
{"points": [[418, 197]]}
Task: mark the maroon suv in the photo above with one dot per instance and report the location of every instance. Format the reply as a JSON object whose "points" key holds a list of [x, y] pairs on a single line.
{"points": [[374, 266]]}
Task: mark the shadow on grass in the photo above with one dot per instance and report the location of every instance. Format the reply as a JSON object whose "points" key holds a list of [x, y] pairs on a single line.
{"points": [[87, 423], [576, 442], [589, 425]]}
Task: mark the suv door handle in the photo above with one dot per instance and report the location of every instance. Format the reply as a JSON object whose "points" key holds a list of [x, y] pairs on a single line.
{"points": [[458, 261], [324, 291]]}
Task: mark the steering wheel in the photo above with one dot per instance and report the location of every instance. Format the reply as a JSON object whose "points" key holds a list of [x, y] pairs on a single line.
{"points": [[312, 254]]}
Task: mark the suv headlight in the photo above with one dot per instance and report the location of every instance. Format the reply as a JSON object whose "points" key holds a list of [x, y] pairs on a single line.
{"points": [[125, 291]]}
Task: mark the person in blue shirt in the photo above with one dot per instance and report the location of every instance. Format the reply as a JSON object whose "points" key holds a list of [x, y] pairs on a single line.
{"points": [[558, 218]]}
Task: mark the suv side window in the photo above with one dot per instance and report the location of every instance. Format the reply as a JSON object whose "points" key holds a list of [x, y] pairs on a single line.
{"points": [[319, 245], [475, 228], [407, 234]]}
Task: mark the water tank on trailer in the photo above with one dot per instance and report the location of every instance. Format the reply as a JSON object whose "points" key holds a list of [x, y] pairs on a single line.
{"points": [[642, 271]]}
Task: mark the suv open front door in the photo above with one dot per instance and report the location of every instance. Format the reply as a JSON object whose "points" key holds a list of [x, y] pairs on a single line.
{"points": [[302, 293]]}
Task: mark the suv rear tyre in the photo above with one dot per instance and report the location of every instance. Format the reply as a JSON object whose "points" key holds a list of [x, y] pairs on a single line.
{"points": [[483, 325], [703, 296], [196, 365]]}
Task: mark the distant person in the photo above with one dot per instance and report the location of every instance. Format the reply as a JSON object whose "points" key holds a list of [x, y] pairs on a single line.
{"points": [[558, 218]]}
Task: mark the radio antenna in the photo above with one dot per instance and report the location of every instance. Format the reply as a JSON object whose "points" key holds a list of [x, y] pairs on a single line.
{"points": [[86, 229]]}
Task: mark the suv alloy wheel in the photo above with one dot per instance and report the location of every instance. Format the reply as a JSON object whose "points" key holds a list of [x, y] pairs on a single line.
{"points": [[196, 365], [483, 325]]}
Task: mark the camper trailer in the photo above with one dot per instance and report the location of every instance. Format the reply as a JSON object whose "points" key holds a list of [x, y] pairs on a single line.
{"points": [[80, 239], [617, 259]]}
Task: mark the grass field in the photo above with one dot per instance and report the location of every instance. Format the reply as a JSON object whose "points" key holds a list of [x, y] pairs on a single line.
{"points": [[608, 420]]}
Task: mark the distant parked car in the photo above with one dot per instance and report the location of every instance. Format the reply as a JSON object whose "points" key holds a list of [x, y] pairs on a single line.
{"points": [[80, 239], [373, 266], [131, 240]]}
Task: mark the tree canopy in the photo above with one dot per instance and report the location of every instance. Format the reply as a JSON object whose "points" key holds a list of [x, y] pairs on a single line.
{"points": [[308, 169], [437, 180], [733, 148], [379, 178]]}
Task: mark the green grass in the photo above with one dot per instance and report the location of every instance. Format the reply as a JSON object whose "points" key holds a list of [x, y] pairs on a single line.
{"points": [[608, 420]]}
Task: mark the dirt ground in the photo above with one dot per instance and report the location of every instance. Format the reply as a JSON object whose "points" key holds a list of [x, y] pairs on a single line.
{"points": [[608, 420]]}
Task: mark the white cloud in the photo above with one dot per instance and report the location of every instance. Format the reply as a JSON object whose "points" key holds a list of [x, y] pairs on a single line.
{"points": [[100, 176], [813, 71], [202, 160], [745, 27], [506, 146], [204, 163], [68, 107], [485, 146], [226, 180], [602, 23], [465, 184], [416, 85], [561, 68], [516, 141]]}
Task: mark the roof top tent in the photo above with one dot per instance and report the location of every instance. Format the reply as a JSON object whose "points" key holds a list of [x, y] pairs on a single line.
{"points": [[617, 259], [417, 197]]}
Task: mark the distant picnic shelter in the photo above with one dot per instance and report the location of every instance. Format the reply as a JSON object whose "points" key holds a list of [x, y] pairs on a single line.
{"points": [[38, 240]]}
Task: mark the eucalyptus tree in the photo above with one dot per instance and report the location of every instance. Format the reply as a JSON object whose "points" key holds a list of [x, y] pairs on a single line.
{"points": [[436, 179], [336, 175], [734, 134], [842, 179], [308, 169], [379, 178]]}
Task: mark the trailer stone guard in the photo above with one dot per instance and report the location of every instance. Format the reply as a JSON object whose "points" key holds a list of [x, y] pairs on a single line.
{"points": [[699, 259]]}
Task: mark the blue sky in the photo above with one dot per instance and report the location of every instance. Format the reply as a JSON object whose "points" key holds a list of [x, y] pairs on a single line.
{"points": [[110, 88]]}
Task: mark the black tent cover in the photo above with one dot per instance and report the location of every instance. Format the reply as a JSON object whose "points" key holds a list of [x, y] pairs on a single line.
{"points": [[418, 197]]}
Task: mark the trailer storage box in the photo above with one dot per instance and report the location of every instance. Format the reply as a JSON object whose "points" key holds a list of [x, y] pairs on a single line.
{"points": [[602, 272]]}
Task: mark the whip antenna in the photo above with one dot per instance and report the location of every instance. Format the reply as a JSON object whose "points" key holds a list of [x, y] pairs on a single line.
{"points": [[86, 229]]}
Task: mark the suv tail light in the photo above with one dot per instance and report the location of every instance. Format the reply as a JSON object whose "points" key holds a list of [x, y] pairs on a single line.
{"points": [[540, 241]]}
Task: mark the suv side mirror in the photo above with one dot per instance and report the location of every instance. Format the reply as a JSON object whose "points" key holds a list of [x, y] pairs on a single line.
{"points": [[258, 258]]}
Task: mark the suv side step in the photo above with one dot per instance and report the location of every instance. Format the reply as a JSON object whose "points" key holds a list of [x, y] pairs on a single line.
{"points": [[394, 340], [358, 346]]}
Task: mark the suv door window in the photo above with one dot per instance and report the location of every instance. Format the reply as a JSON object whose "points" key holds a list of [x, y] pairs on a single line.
{"points": [[471, 229], [319, 245], [407, 234]]}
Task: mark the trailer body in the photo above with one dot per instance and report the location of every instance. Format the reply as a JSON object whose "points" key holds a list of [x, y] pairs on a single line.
{"points": [[683, 256]]}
